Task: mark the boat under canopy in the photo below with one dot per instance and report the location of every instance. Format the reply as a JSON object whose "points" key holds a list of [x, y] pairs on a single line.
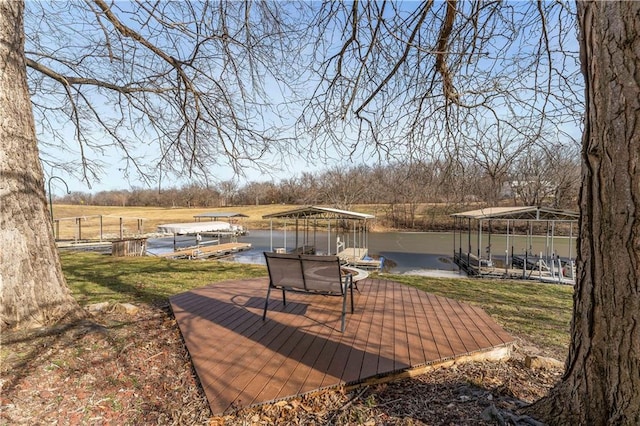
{"points": [[349, 229]]}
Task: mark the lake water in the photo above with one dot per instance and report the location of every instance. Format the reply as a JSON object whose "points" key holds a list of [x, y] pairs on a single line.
{"points": [[417, 253]]}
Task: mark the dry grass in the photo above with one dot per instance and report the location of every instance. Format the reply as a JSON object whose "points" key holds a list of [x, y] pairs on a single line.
{"points": [[152, 217], [91, 218]]}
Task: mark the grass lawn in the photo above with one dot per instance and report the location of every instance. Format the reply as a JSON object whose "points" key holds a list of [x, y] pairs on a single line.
{"points": [[539, 313], [95, 278]]}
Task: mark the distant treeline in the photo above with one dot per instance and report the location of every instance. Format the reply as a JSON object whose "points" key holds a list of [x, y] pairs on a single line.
{"points": [[401, 189]]}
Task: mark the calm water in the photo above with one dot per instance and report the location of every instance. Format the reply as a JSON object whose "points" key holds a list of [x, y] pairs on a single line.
{"points": [[405, 251], [408, 252]]}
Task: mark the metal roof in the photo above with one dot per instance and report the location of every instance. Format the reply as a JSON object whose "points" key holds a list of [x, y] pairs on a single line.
{"points": [[310, 212], [216, 215], [195, 227], [520, 213]]}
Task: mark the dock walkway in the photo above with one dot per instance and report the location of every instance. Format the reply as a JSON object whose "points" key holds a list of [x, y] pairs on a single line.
{"points": [[207, 251], [358, 258]]}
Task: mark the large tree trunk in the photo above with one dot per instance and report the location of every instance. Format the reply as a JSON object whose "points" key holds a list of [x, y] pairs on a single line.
{"points": [[601, 384], [32, 287]]}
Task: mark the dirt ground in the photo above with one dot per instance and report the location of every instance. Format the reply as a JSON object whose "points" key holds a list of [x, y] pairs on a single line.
{"points": [[132, 368]]}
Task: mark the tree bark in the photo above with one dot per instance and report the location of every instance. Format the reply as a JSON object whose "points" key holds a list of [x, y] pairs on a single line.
{"points": [[32, 287], [601, 384]]}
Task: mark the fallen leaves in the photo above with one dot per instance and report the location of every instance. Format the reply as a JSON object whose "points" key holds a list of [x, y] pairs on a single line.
{"points": [[131, 367]]}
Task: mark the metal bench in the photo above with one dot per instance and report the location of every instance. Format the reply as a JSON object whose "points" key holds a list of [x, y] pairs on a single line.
{"points": [[308, 273]]}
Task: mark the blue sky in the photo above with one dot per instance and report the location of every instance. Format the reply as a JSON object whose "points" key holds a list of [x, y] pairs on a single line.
{"points": [[116, 174]]}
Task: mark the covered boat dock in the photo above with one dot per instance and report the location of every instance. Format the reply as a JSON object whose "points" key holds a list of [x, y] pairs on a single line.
{"points": [[214, 228], [216, 216], [528, 242], [349, 228]]}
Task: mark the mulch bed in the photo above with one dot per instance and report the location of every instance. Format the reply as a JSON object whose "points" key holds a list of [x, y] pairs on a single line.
{"points": [[132, 368]]}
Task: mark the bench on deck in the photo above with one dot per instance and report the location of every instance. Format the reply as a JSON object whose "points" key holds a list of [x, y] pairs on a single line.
{"points": [[308, 273]]}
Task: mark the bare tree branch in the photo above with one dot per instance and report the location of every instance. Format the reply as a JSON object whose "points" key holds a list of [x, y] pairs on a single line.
{"points": [[196, 80]]}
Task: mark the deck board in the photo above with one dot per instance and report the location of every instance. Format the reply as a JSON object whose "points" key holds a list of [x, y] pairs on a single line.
{"points": [[242, 360]]}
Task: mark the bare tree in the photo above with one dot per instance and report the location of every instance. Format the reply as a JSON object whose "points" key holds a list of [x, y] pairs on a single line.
{"points": [[258, 193], [197, 83], [493, 151], [407, 81], [566, 179], [438, 71], [343, 187], [32, 287], [400, 81], [601, 384], [309, 187], [547, 175], [404, 189], [194, 81], [228, 190], [290, 191]]}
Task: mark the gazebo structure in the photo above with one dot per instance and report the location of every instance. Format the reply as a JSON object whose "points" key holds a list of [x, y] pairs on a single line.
{"points": [[526, 252], [351, 244]]}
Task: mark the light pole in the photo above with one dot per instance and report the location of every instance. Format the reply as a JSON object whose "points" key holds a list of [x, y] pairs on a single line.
{"points": [[50, 201]]}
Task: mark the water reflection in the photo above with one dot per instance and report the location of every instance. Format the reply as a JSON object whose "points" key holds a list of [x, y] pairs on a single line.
{"points": [[416, 253], [404, 252]]}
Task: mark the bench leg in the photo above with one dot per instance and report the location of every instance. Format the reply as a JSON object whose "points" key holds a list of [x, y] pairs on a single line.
{"points": [[266, 303], [344, 310], [351, 286]]}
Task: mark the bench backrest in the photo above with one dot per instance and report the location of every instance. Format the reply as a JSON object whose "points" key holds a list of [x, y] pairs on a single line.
{"points": [[285, 270], [305, 272], [322, 273]]}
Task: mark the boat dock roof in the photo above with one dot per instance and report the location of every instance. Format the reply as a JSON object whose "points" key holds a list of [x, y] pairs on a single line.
{"points": [[194, 227], [218, 215], [315, 212], [519, 213]]}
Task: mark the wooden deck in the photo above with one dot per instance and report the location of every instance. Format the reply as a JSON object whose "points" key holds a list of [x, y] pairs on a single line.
{"points": [[242, 361]]}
